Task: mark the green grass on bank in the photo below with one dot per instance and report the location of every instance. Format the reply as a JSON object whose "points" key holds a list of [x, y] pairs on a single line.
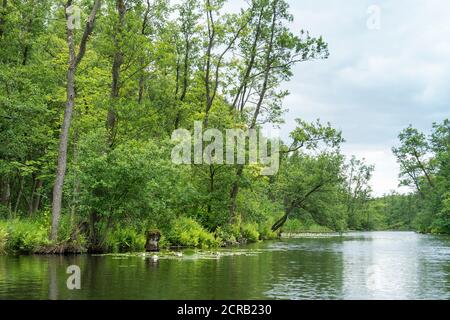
{"points": [[22, 236], [28, 236], [297, 226]]}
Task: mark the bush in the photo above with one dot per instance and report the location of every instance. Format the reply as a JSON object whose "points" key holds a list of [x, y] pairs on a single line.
{"points": [[4, 212], [293, 225], [229, 234], [66, 227], [164, 242], [187, 232], [265, 231], [25, 236], [125, 240], [249, 232], [296, 226], [3, 238]]}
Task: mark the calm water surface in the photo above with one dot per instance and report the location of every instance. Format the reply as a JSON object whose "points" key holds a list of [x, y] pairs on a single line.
{"points": [[372, 265]]}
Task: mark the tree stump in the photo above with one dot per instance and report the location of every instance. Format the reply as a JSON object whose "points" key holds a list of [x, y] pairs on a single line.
{"points": [[152, 244]]}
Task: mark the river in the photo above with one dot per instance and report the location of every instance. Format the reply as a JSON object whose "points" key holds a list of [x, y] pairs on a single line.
{"points": [[366, 265]]}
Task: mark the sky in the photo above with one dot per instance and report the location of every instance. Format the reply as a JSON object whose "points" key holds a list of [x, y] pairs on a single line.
{"points": [[382, 74], [389, 67]]}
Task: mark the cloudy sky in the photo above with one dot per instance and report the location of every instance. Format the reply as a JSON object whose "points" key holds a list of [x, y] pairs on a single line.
{"points": [[376, 81]]}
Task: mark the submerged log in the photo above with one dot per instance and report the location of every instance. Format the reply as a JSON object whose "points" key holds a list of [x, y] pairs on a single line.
{"points": [[152, 244]]}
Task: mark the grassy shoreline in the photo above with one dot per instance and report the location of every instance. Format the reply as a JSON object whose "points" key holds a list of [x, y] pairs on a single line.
{"points": [[30, 236]]}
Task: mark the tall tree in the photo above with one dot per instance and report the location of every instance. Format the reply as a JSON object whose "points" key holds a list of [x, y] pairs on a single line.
{"points": [[358, 191], [74, 60], [281, 50]]}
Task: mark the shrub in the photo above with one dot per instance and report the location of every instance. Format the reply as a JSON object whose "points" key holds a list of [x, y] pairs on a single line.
{"points": [[66, 228], [125, 240], [189, 233], [229, 234], [25, 236], [265, 231], [295, 225], [249, 232], [4, 212], [164, 242], [3, 238]]}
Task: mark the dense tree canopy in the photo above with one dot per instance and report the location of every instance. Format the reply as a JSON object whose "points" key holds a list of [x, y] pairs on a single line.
{"points": [[87, 109]]}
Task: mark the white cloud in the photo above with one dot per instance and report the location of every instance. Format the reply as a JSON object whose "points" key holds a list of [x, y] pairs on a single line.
{"points": [[375, 83]]}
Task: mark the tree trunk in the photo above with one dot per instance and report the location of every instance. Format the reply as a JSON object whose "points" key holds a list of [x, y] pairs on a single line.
{"points": [[152, 243], [234, 194], [185, 79], [64, 140], [74, 61], [212, 173], [37, 198], [250, 65], [262, 96], [19, 194], [141, 89], [33, 191], [93, 234], [145, 22], [422, 167], [5, 191], [117, 64], [76, 185]]}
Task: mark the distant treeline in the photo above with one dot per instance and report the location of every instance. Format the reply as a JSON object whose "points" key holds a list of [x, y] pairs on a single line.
{"points": [[425, 167]]}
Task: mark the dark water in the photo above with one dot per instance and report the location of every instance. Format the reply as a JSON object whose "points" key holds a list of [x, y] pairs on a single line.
{"points": [[377, 265]]}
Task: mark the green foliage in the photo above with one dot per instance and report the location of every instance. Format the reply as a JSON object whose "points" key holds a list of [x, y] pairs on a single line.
{"points": [[4, 212], [424, 165], [310, 135], [249, 232], [229, 234], [244, 233], [152, 73], [312, 189], [164, 242], [297, 226], [187, 232], [265, 232], [3, 238], [293, 225], [24, 236], [125, 239]]}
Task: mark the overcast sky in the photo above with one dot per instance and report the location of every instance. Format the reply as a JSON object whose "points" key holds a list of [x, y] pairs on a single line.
{"points": [[376, 82]]}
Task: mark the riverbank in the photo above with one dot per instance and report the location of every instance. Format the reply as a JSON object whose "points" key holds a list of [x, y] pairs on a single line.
{"points": [[301, 235], [30, 236]]}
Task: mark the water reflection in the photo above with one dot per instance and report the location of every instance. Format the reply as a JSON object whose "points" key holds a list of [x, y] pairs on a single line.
{"points": [[381, 265], [385, 267], [309, 270]]}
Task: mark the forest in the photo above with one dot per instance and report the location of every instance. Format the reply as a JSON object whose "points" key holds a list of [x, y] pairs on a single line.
{"points": [[91, 92]]}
